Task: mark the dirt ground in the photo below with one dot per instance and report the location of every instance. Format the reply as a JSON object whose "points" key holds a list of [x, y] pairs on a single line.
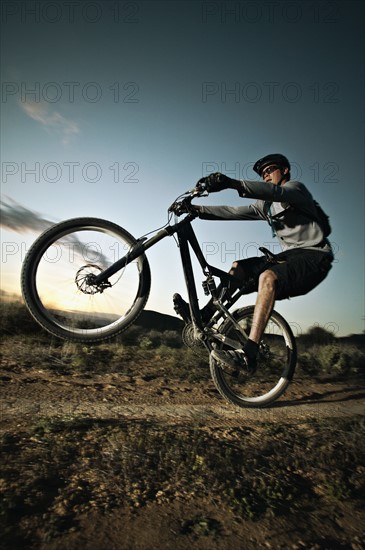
{"points": [[200, 522], [29, 392]]}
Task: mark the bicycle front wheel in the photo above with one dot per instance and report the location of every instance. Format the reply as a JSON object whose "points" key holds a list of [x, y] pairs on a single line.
{"points": [[276, 362], [57, 271]]}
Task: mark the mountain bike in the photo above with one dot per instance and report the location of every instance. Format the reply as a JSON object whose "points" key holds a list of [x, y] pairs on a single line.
{"points": [[88, 279]]}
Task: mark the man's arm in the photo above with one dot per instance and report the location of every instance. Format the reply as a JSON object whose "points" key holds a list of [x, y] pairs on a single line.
{"points": [[249, 212], [292, 192]]}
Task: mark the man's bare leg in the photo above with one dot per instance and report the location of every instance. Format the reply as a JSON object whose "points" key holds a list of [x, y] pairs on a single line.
{"points": [[263, 308], [264, 304]]}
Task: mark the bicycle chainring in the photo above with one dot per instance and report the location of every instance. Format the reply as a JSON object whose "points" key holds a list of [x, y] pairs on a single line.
{"points": [[190, 337]]}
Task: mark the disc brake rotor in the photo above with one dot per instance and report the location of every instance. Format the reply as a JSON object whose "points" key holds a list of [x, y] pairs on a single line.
{"points": [[85, 280]]}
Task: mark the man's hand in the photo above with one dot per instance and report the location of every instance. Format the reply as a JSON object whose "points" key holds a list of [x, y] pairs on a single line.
{"points": [[181, 208], [216, 182]]}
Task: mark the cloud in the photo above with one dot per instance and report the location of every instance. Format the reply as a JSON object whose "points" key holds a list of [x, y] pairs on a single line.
{"points": [[17, 218], [51, 120]]}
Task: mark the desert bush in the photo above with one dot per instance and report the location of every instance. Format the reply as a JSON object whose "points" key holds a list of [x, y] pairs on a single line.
{"points": [[146, 343], [316, 336], [15, 319], [171, 338], [334, 359], [319, 351], [151, 339], [131, 336]]}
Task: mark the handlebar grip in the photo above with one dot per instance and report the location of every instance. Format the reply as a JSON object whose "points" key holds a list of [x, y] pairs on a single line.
{"points": [[198, 190]]}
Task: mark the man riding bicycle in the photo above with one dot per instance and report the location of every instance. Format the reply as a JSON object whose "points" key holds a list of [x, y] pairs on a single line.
{"points": [[301, 228]]}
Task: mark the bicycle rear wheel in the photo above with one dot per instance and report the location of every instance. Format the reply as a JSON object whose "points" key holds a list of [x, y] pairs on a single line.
{"points": [[56, 285], [275, 364]]}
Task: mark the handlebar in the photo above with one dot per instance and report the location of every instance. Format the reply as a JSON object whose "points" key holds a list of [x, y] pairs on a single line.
{"points": [[182, 205]]}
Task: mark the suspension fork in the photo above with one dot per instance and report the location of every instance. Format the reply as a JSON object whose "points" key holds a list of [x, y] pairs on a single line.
{"points": [[139, 248]]}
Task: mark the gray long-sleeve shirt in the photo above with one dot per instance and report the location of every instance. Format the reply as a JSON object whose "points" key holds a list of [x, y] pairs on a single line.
{"points": [[294, 229]]}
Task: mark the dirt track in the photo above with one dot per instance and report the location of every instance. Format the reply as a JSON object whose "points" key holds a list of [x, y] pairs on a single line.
{"points": [[119, 396]]}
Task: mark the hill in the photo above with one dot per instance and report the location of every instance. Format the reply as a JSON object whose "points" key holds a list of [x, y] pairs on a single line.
{"points": [[152, 320]]}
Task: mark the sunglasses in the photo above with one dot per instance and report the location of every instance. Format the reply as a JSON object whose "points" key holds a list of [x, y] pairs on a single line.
{"points": [[269, 170]]}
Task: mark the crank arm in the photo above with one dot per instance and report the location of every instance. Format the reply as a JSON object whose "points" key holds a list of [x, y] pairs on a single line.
{"points": [[234, 344]]}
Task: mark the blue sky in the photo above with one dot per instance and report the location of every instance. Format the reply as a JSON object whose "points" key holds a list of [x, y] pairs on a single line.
{"points": [[112, 109]]}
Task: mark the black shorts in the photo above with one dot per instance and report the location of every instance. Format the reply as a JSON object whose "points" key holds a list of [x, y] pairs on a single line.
{"points": [[298, 271]]}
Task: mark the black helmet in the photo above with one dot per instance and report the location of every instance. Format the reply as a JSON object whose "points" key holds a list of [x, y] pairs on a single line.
{"points": [[275, 158]]}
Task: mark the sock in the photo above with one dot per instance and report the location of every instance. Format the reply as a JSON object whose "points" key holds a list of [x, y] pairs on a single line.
{"points": [[251, 349]]}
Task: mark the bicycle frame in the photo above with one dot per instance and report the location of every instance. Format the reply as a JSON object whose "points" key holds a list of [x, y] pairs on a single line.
{"points": [[186, 237]]}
